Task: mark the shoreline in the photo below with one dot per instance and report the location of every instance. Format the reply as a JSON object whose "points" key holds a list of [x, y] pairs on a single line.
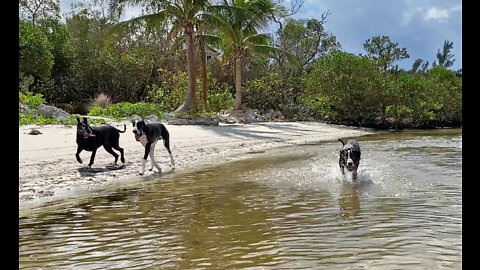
{"points": [[48, 170]]}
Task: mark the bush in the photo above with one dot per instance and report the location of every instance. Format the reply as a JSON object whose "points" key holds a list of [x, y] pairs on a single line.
{"points": [[346, 87], [349, 89], [264, 93], [219, 95], [171, 94], [121, 110], [34, 56], [30, 99]]}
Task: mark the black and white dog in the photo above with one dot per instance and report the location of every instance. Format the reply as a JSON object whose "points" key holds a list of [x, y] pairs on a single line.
{"points": [[148, 135], [350, 157], [90, 139]]}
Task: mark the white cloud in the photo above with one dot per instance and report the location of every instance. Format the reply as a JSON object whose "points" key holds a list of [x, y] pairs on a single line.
{"points": [[435, 13]]}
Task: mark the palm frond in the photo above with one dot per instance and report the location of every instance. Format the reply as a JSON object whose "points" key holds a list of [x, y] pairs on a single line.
{"points": [[150, 19], [261, 39], [270, 50], [216, 41]]}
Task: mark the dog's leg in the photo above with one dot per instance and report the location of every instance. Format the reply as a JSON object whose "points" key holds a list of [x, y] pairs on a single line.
{"points": [[145, 156], [109, 150], [152, 158], [92, 158], [166, 143], [154, 162], [117, 147], [77, 155]]}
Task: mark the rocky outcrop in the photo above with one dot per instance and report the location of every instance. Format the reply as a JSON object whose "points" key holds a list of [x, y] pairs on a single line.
{"points": [[52, 111]]}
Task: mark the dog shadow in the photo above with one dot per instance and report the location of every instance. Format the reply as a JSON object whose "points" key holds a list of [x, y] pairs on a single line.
{"points": [[87, 171]]}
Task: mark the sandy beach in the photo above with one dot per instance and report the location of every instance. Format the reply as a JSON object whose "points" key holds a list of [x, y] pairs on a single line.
{"points": [[49, 171]]}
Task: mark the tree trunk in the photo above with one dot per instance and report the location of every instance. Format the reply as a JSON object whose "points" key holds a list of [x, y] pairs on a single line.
{"points": [[192, 73], [238, 83], [204, 71]]}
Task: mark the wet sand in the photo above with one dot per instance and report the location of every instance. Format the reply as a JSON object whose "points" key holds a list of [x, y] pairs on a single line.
{"points": [[48, 169]]}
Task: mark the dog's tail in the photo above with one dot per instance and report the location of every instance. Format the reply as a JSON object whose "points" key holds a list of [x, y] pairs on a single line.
{"points": [[342, 142], [124, 129]]}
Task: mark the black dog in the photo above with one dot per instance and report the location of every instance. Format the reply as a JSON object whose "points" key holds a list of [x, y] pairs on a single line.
{"points": [[148, 135], [90, 139], [350, 157]]}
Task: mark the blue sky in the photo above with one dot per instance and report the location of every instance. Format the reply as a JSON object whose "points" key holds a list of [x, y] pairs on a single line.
{"points": [[421, 26]]}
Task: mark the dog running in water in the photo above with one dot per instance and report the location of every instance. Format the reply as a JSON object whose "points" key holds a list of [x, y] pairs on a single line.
{"points": [[350, 157]]}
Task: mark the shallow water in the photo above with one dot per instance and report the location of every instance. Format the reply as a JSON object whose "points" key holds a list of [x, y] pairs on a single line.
{"points": [[288, 208]]}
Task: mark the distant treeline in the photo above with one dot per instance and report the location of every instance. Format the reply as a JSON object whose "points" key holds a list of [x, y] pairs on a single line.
{"points": [[220, 59]]}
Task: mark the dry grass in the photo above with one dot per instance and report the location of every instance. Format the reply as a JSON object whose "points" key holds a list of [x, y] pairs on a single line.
{"points": [[101, 100]]}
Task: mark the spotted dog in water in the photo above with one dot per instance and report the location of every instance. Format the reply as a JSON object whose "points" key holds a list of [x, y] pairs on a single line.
{"points": [[90, 138], [148, 135], [350, 157]]}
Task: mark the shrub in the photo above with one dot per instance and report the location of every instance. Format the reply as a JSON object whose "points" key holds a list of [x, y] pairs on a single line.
{"points": [[264, 93], [171, 94], [121, 110], [347, 87], [31, 99]]}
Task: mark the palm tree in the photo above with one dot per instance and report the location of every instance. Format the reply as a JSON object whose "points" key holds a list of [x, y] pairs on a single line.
{"points": [[238, 22], [181, 16]]}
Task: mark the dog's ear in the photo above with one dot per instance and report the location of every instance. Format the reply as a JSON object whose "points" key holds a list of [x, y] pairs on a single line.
{"points": [[85, 120], [342, 142], [78, 120]]}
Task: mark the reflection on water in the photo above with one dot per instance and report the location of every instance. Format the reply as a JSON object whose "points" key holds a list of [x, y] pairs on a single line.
{"points": [[287, 209]]}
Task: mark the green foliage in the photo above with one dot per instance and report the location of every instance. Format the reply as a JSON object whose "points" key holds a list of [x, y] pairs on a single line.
{"points": [[29, 119], [384, 52], [219, 101], [306, 39], [33, 10], [34, 56], [445, 58], [121, 110], [171, 94], [30, 99], [352, 85], [60, 44], [264, 93], [348, 89], [33, 101], [142, 67], [219, 95]]}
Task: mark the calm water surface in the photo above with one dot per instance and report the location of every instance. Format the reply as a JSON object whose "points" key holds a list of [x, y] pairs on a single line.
{"points": [[290, 208]]}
